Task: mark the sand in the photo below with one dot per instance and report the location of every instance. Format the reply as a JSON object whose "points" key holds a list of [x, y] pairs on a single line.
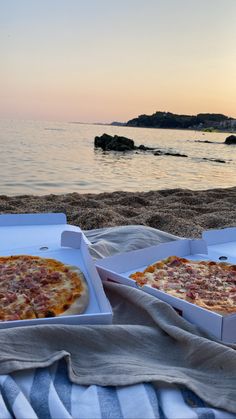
{"points": [[178, 211]]}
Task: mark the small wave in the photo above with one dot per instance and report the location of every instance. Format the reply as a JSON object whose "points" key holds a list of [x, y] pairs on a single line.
{"points": [[54, 129], [210, 159], [206, 142]]}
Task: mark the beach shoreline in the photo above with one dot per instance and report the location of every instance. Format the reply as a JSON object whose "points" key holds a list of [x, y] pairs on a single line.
{"points": [[182, 212]]}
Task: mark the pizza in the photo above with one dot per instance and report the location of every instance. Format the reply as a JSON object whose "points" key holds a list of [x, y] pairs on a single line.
{"points": [[34, 287], [208, 284]]}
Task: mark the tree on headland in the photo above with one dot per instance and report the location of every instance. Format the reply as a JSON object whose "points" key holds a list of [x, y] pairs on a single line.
{"points": [[170, 120]]}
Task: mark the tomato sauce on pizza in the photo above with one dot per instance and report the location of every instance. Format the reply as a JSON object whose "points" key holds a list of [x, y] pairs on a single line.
{"points": [[209, 284], [34, 287]]}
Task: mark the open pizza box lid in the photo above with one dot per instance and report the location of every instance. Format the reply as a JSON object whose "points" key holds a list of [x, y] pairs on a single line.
{"points": [[119, 267], [221, 244], [33, 229], [49, 236]]}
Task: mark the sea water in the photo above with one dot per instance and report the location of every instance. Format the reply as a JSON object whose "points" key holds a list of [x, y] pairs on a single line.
{"points": [[49, 157]]}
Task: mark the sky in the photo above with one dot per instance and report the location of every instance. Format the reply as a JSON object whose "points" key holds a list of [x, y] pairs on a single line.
{"points": [[112, 60]]}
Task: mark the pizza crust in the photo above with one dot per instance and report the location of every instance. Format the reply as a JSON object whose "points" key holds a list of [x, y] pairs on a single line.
{"points": [[81, 303]]}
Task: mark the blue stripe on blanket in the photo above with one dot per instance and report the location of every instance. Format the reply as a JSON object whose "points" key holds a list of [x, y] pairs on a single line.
{"points": [[39, 393], [49, 395], [151, 393], [109, 403], [4, 411], [9, 393], [10, 390], [62, 385], [161, 413], [199, 406], [192, 399], [205, 413]]}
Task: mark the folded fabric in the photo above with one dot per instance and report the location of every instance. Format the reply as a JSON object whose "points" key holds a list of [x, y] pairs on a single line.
{"points": [[111, 240], [48, 393], [148, 342]]}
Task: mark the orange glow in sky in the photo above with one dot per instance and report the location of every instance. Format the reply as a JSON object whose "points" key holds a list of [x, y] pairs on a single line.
{"points": [[103, 61]]}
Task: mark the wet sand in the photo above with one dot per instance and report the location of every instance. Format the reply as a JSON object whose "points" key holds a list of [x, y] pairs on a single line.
{"points": [[177, 211]]}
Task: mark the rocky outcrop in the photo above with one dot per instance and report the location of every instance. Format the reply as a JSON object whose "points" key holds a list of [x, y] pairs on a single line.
{"points": [[144, 148], [215, 160], [231, 139], [116, 143], [168, 153], [205, 141]]}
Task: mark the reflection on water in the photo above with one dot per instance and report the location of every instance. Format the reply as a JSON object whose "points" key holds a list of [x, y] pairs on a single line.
{"points": [[43, 157]]}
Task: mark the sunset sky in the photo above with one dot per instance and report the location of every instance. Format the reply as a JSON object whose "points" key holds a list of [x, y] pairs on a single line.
{"points": [[112, 60]]}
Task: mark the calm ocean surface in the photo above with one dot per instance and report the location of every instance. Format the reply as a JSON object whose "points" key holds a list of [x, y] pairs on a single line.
{"points": [[47, 157]]}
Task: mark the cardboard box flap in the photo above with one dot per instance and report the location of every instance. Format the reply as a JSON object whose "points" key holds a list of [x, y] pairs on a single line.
{"points": [[229, 328], [26, 230], [198, 246], [224, 235], [32, 219], [123, 262], [71, 239], [221, 244]]}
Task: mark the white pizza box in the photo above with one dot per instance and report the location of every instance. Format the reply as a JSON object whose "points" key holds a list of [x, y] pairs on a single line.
{"points": [[33, 229], [72, 250], [221, 244], [118, 268]]}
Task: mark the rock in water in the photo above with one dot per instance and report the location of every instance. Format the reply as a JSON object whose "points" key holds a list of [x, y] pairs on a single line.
{"points": [[116, 143], [231, 139]]}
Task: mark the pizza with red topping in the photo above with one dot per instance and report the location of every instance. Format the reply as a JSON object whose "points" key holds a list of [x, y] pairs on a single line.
{"points": [[33, 287], [208, 284]]}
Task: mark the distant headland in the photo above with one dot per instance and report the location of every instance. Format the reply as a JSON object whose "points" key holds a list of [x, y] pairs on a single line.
{"points": [[202, 121]]}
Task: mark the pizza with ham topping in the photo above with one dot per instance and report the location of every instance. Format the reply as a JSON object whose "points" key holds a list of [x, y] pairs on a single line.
{"points": [[33, 287], [208, 284]]}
